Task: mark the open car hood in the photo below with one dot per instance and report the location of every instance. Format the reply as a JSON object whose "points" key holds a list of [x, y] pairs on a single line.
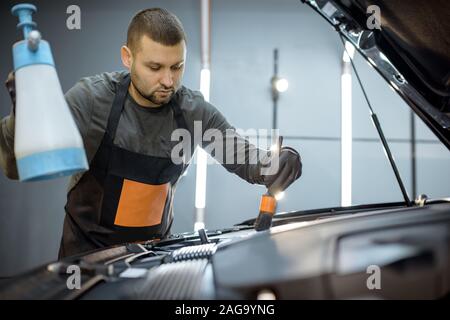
{"points": [[410, 50]]}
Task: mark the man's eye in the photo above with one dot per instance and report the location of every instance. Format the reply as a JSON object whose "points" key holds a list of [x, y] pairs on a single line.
{"points": [[154, 68], [176, 67]]}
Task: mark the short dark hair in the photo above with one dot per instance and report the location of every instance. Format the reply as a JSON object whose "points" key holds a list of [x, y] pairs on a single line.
{"points": [[159, 24]]}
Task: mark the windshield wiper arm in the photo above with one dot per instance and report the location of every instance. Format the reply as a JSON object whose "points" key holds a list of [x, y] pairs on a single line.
{"points": [[377, 125]]}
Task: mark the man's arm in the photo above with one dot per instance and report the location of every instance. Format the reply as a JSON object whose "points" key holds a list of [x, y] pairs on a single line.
{"points": [[245, 159], [79, 98], [7, 157], [239, 156]]}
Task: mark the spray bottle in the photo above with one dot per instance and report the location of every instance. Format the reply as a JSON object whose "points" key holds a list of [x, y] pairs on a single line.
{"points": [[47, 142]]}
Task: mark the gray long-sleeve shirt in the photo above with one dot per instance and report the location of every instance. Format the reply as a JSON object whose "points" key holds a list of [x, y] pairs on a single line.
{"points": [[143, 130]]}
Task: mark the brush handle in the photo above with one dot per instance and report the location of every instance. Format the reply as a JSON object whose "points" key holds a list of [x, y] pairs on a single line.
{"points": [[267, 209]]}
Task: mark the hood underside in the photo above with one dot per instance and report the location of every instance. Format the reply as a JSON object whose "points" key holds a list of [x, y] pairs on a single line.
{"points": [[411, 49]]}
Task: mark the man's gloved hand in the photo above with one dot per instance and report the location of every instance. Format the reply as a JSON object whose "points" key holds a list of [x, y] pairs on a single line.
{"points": [[289, 170], [10, 84]]}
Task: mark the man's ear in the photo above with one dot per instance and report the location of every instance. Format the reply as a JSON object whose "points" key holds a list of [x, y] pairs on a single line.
{"points": [[127, 57]]}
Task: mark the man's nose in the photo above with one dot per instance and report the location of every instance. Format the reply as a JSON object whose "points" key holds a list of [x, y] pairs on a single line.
{"points": [[167, 79]]}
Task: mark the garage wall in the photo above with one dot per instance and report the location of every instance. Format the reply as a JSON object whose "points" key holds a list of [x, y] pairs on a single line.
{"points": [[244, 34], [373, 180]]}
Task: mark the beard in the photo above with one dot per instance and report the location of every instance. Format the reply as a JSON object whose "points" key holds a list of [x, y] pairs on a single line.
{"points": [[158, 97]]}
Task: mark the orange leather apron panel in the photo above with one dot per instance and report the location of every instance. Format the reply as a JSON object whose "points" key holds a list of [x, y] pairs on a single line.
{"points": [[140, 204]]}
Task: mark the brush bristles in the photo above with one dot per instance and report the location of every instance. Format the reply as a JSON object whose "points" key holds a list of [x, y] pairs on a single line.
{"points": [[263, 222]]}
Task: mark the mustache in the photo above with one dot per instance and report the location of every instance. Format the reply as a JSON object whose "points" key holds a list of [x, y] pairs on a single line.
{"points": [[164, 89]]}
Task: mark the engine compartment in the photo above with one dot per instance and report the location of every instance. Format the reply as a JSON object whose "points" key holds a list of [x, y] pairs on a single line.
{"points": [[322, 258]]}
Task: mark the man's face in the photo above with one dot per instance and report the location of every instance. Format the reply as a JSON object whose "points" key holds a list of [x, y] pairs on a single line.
{"points": [[156, 70]]}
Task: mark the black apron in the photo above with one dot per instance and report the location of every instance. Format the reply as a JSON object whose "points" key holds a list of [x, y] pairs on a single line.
{"points": [[124, 196]]}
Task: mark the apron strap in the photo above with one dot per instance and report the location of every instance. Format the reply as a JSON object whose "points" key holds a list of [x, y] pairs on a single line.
{"points": [[181, 123], [117, 107], [178, 114]]}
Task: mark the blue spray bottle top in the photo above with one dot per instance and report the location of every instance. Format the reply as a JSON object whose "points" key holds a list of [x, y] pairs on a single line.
{"points": [[31, 50]]}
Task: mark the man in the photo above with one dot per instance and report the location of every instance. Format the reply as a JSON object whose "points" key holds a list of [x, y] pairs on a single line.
{"points": [[126, 119]]}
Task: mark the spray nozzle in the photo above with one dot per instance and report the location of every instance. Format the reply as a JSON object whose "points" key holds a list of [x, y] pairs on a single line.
{"points": [[24, 12], [34, 37]]}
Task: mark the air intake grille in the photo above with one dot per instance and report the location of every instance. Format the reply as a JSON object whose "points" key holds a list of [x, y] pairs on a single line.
{"points": [[203, 251], [174, 281]]}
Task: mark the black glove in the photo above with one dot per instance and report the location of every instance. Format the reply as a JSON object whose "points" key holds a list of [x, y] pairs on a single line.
{"points": [[10, 84], [289, 170]]}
